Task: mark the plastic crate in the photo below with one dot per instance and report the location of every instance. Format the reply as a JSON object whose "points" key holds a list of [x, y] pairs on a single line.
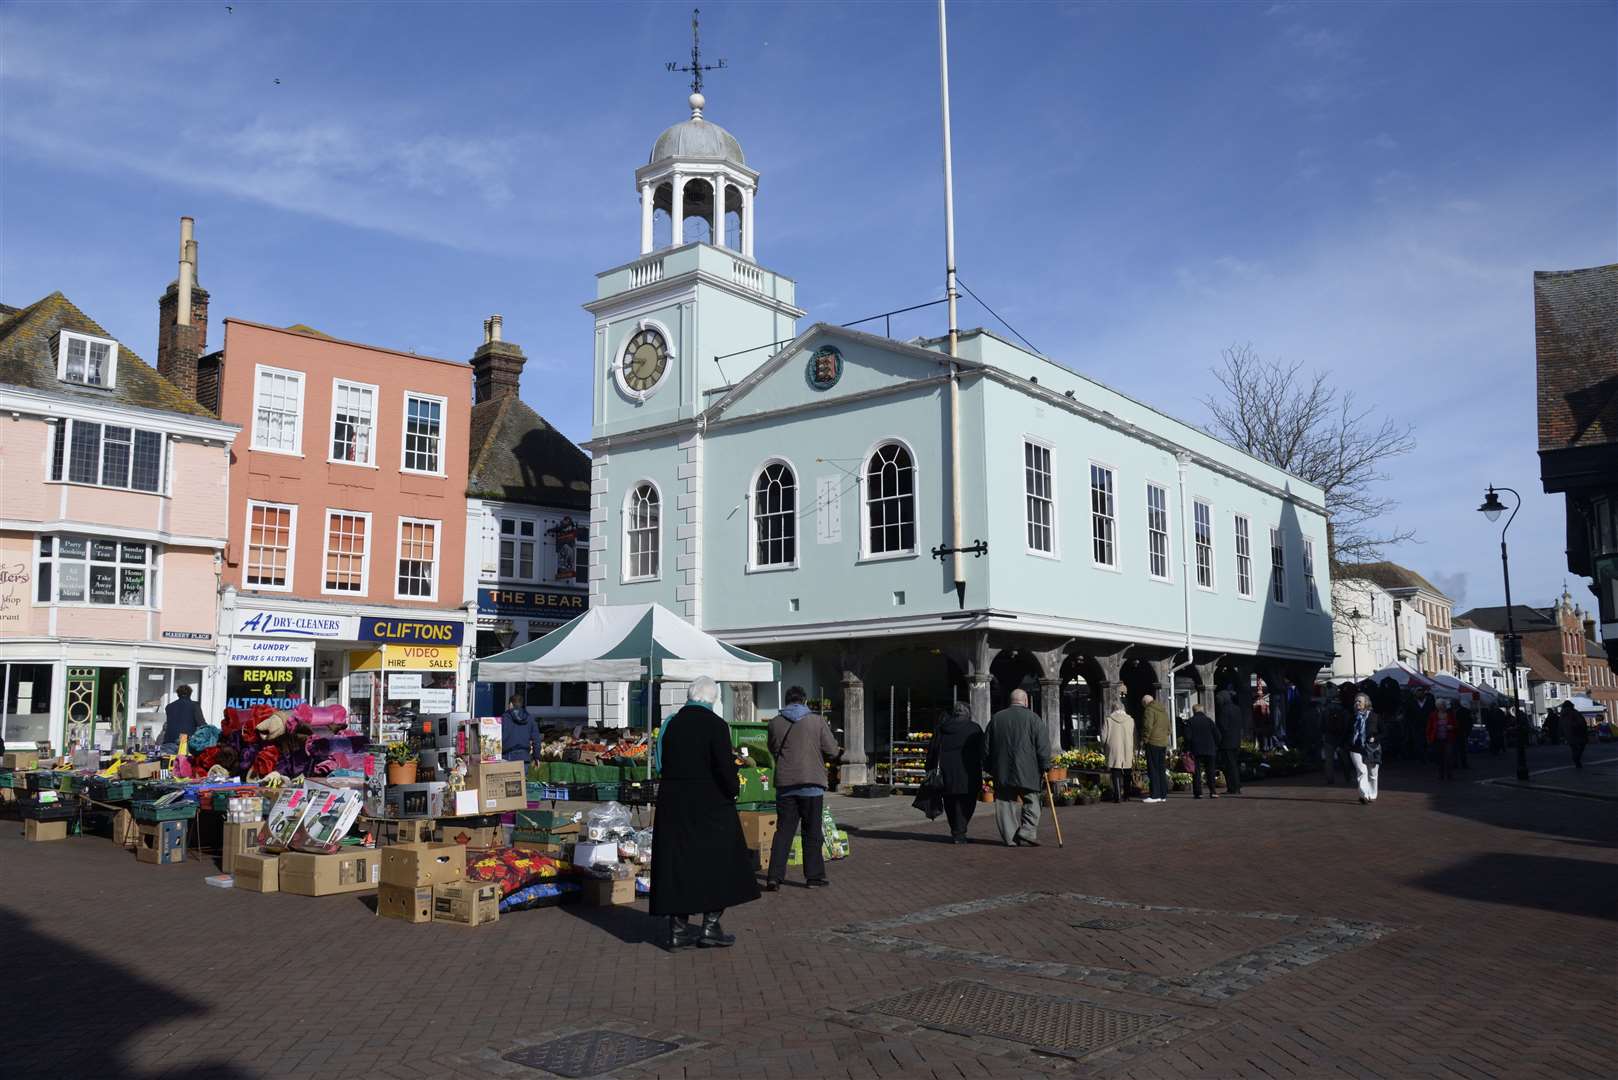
{"points": [[51, 811], [103, 789], [70, 782], [40, 781], [148, 811], [7, 777], [637, 792], [554, 792]]}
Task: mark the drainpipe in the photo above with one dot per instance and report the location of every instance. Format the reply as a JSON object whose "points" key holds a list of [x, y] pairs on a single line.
{"points": [[1182, 463]]}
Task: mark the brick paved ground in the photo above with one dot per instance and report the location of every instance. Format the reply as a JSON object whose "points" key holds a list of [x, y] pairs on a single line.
{"points": [[1464, 930]]}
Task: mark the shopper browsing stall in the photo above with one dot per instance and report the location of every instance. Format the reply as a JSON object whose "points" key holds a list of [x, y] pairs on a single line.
{"points": [[801, 744], [518, 732]]}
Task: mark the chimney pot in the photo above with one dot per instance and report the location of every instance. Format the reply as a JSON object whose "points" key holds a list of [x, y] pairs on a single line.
{"points": [[182, 318], [495, 324]]}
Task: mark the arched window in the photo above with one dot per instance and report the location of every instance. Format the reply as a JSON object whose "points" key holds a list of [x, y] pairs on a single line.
{"points": [[890, 501], [775, 516], [642, 518]]}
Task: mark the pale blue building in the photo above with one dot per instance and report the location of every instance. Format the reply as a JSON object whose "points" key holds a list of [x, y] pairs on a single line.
{"points": [[784, 488]]}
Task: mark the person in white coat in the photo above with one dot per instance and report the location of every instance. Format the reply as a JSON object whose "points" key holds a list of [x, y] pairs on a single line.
{"points": [[1118, 736]]}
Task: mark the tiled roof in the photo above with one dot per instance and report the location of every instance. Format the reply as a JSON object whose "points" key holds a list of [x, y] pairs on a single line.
{"points": [[1540, 668], [517, 456], [27, 360], [1576, 345], [1526, 619], [1388, 575]]}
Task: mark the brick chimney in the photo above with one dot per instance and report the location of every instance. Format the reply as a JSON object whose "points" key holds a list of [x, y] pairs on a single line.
{"points": [[497, 365], [182, 319]]}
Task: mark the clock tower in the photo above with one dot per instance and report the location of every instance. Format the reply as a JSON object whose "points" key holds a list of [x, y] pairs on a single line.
{"points": [[694, 312]]}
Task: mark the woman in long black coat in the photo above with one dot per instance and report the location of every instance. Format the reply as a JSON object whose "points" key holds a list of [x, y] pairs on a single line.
{"points": [[699, 856], [956, 752]]}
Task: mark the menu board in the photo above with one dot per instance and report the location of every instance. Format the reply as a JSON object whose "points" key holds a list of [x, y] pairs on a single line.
{"points": [[103, 551], [133, 593], [103, 585], [134, 553], [72, 547]]}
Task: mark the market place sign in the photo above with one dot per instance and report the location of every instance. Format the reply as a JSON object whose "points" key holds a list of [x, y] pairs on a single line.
{"points": [[411, 631], [296, 625], [540, 603], [407, 658]]}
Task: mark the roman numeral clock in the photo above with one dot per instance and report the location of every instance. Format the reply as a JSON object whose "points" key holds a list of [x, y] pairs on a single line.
{"points": [[643, 362]]}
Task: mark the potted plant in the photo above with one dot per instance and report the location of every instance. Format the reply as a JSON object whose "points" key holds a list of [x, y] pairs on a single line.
{"points": [[402, 761], [987, 794]]}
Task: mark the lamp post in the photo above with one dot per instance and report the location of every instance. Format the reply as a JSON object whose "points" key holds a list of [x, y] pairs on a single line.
{"points": [[1354, 618], [1492, 508]]}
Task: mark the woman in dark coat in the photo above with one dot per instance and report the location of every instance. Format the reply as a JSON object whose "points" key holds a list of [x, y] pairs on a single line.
{"points": [[699, 857], [956, 752]]}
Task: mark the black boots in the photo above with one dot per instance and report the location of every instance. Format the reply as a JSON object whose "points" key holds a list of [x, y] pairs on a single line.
{"points": [[681, 932], [713, 935]]}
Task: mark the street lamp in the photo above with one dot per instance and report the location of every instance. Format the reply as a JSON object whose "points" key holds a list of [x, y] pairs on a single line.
{"points": [[1492, 508], [1354, 618]]}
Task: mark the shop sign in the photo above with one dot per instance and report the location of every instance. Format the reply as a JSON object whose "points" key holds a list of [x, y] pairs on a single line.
{"points": [[407, 658], [432, 701], [258, 652], [411, 631], [277, 687], [296, 624], [14, 581], [545, 603], [186, 635]]}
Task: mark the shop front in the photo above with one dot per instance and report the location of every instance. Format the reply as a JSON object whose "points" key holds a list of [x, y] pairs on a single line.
{"points": [[508, 617]]}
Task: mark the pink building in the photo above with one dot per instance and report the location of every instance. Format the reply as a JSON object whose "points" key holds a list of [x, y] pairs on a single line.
{"points": [[347, 524], [114, 485]]}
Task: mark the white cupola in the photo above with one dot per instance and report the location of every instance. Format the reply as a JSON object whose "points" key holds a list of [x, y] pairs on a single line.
{"points": [[698, 177]]}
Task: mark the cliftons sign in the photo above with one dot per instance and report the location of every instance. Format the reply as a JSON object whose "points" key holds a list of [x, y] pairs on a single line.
{"points": [[411, 631]]}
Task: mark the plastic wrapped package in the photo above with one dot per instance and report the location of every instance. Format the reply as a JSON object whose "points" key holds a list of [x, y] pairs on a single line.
{"points": [[609, 821]]}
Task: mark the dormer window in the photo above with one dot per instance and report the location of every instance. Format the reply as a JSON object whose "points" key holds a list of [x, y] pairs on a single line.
{"points": [[89, 361]]}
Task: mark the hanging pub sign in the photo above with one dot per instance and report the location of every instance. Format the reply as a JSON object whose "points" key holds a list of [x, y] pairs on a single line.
{"points": [[277, 687], [411, 631], [533, 603], [565, 534]]}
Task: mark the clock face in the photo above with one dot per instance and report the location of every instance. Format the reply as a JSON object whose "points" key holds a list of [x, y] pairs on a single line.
{"points": [[645, 359]]}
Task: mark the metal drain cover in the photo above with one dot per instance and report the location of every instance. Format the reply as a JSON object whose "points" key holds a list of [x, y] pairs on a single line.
{"points": [[589, 1053], [1103, 924], [1052, 1025]]}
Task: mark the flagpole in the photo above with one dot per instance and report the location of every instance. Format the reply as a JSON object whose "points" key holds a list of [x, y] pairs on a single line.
{"points": [[954, 325]]}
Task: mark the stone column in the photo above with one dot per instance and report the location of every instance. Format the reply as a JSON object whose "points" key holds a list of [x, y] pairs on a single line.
{"points": [[747, 223], [717, 233], [978, 694], [677, 211], [1050, 690], [1110, 684], [648, 196], [855, 768], [741, 694], [1205, 678], [979, 658]]}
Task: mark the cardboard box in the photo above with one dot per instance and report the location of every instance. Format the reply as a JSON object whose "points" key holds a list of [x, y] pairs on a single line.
{"points": [[139, 770], [239, 837], [405, 903], [258, 871], [587, 854], [758, 827], [466, 903], [161, 843], [20, 760], [304, 874], [124, 833], [416, 800], [44, 830], [601, 892], [415, 865], [501, 785], [390, 831], [557, 821], [483, 836]]}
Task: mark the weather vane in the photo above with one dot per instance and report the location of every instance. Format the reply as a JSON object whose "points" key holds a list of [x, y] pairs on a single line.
{"points": [[696, 67]]}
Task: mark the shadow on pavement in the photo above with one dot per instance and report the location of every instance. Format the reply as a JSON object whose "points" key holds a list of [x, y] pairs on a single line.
{"points": [[1543, 882], [82, 1011], [629, 923]]}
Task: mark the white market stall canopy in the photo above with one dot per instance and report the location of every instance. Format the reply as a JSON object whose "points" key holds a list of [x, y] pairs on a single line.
{"points": [[1403, 674], [1586, 705], [626, 643]]}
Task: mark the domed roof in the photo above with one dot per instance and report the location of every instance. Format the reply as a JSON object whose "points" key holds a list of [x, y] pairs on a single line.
{"points": [[697, 138]]}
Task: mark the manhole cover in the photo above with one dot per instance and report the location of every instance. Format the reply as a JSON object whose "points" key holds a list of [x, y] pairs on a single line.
{"points": [[1050, 1024], [589, 1053], [1103, 924]]}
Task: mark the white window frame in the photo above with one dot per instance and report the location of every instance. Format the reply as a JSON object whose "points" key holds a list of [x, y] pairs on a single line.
{"points": [[64, 336], [1236, 551], [1213, 548], [292, 545], [1168, 531], [516, 538], [1055, 551], [259, 371], [365, 558], [866, 554], [626, 575], [1311, 591], [337, 385], [1116, 566], [404, 432], [1277, 534], [753, 565], [154, 553], [438, 557]]}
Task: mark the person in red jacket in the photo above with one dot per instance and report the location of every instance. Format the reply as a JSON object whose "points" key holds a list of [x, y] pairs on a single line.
{"points": [[1441, 733]]}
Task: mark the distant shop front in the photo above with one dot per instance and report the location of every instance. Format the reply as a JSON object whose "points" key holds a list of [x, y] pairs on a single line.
{"points": [[512, 616]]}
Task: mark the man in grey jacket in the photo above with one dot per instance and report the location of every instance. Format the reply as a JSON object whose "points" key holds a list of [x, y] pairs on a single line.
{"points": [[1019, 753], [801, 744]]}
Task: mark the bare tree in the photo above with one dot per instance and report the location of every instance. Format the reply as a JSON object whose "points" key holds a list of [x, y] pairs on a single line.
{"points": [[1301, 423]]}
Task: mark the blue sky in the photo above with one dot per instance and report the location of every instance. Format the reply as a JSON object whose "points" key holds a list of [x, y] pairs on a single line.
{"points": [[1363, 187]]}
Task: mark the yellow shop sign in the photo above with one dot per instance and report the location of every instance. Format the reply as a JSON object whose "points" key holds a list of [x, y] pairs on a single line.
{"points": [[406, 658]]}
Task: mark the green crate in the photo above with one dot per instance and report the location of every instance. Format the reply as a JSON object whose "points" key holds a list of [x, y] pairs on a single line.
{"points": [[748, 806], [107, 790], [7, 777], [40, 781], [68, 783], [148, 811], [542, 819], [542, 836]]}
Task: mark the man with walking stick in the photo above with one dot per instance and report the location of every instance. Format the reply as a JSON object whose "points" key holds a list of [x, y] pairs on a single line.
{"points": [[1019, 756]]}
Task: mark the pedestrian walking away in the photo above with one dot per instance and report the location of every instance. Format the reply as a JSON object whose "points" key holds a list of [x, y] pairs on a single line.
{"points": [[1228, 718], [1441, 737], [802, 744], [954, 771], [700, 863], [518, 732], [182, 717], [1118, 737], [1018, 754], [1202, 737], [1575, 731], [1365, 747], [1155, 734]]}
